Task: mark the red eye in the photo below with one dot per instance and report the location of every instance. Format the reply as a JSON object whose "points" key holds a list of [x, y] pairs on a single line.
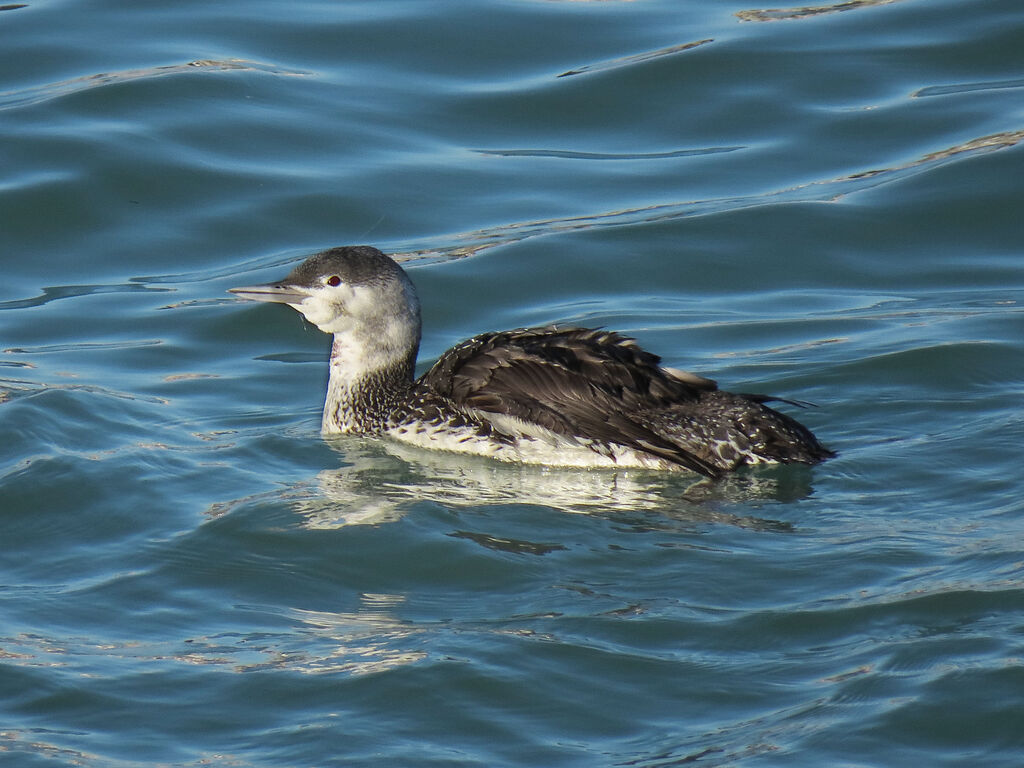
{"points": [[334, 281]]}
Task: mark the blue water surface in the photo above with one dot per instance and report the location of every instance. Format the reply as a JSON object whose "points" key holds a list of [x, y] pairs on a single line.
{"points": [[818, 202]]}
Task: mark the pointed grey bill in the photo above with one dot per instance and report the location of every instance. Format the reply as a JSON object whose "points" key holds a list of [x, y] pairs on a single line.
{"points": [[275, 292]]}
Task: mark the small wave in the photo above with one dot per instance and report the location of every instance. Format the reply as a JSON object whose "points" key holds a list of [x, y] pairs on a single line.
{"points": [[944, 90], [807, 11], [232, 270], [636, 58], [11, 389], [82, 346], [571, 155], [822, 191], [39, 94], [54, 293]]}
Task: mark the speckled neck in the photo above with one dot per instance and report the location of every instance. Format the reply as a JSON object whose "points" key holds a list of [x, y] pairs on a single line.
{"points": [[361, 402]]}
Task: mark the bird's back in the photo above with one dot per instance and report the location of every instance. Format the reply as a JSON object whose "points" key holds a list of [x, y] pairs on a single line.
{"points": [[602, 389]]}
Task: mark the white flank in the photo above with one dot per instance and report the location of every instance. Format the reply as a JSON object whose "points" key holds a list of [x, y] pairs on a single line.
{"points": [[536, 448]]}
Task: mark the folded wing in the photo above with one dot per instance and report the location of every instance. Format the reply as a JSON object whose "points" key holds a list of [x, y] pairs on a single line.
{"points": [[578, 383]]}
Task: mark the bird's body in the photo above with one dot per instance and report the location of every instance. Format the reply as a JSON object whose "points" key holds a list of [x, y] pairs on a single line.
{"points": [[554, 395]]}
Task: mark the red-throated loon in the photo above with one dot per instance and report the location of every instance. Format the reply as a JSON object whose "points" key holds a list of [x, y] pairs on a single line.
{"points": [[555, 395]]}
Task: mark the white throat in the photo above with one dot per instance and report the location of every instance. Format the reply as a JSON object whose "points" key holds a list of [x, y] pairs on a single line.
{"points": [[376, 330]]}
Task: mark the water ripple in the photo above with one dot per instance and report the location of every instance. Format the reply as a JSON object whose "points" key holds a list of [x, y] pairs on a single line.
{"points": [[367, 490], [81, 346], [944, 90], [466, 244], [807, 11], [636, 58], [821, 191], [571, 155], [39, 94], [217, 272], [53, 293], [11, 389]]}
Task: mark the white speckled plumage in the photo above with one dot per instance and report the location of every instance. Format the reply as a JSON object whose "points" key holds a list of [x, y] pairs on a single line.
{"points": [[559, 396]]}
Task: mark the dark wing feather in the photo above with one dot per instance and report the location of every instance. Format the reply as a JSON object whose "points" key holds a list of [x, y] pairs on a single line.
{"points": [[572, 381]]}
